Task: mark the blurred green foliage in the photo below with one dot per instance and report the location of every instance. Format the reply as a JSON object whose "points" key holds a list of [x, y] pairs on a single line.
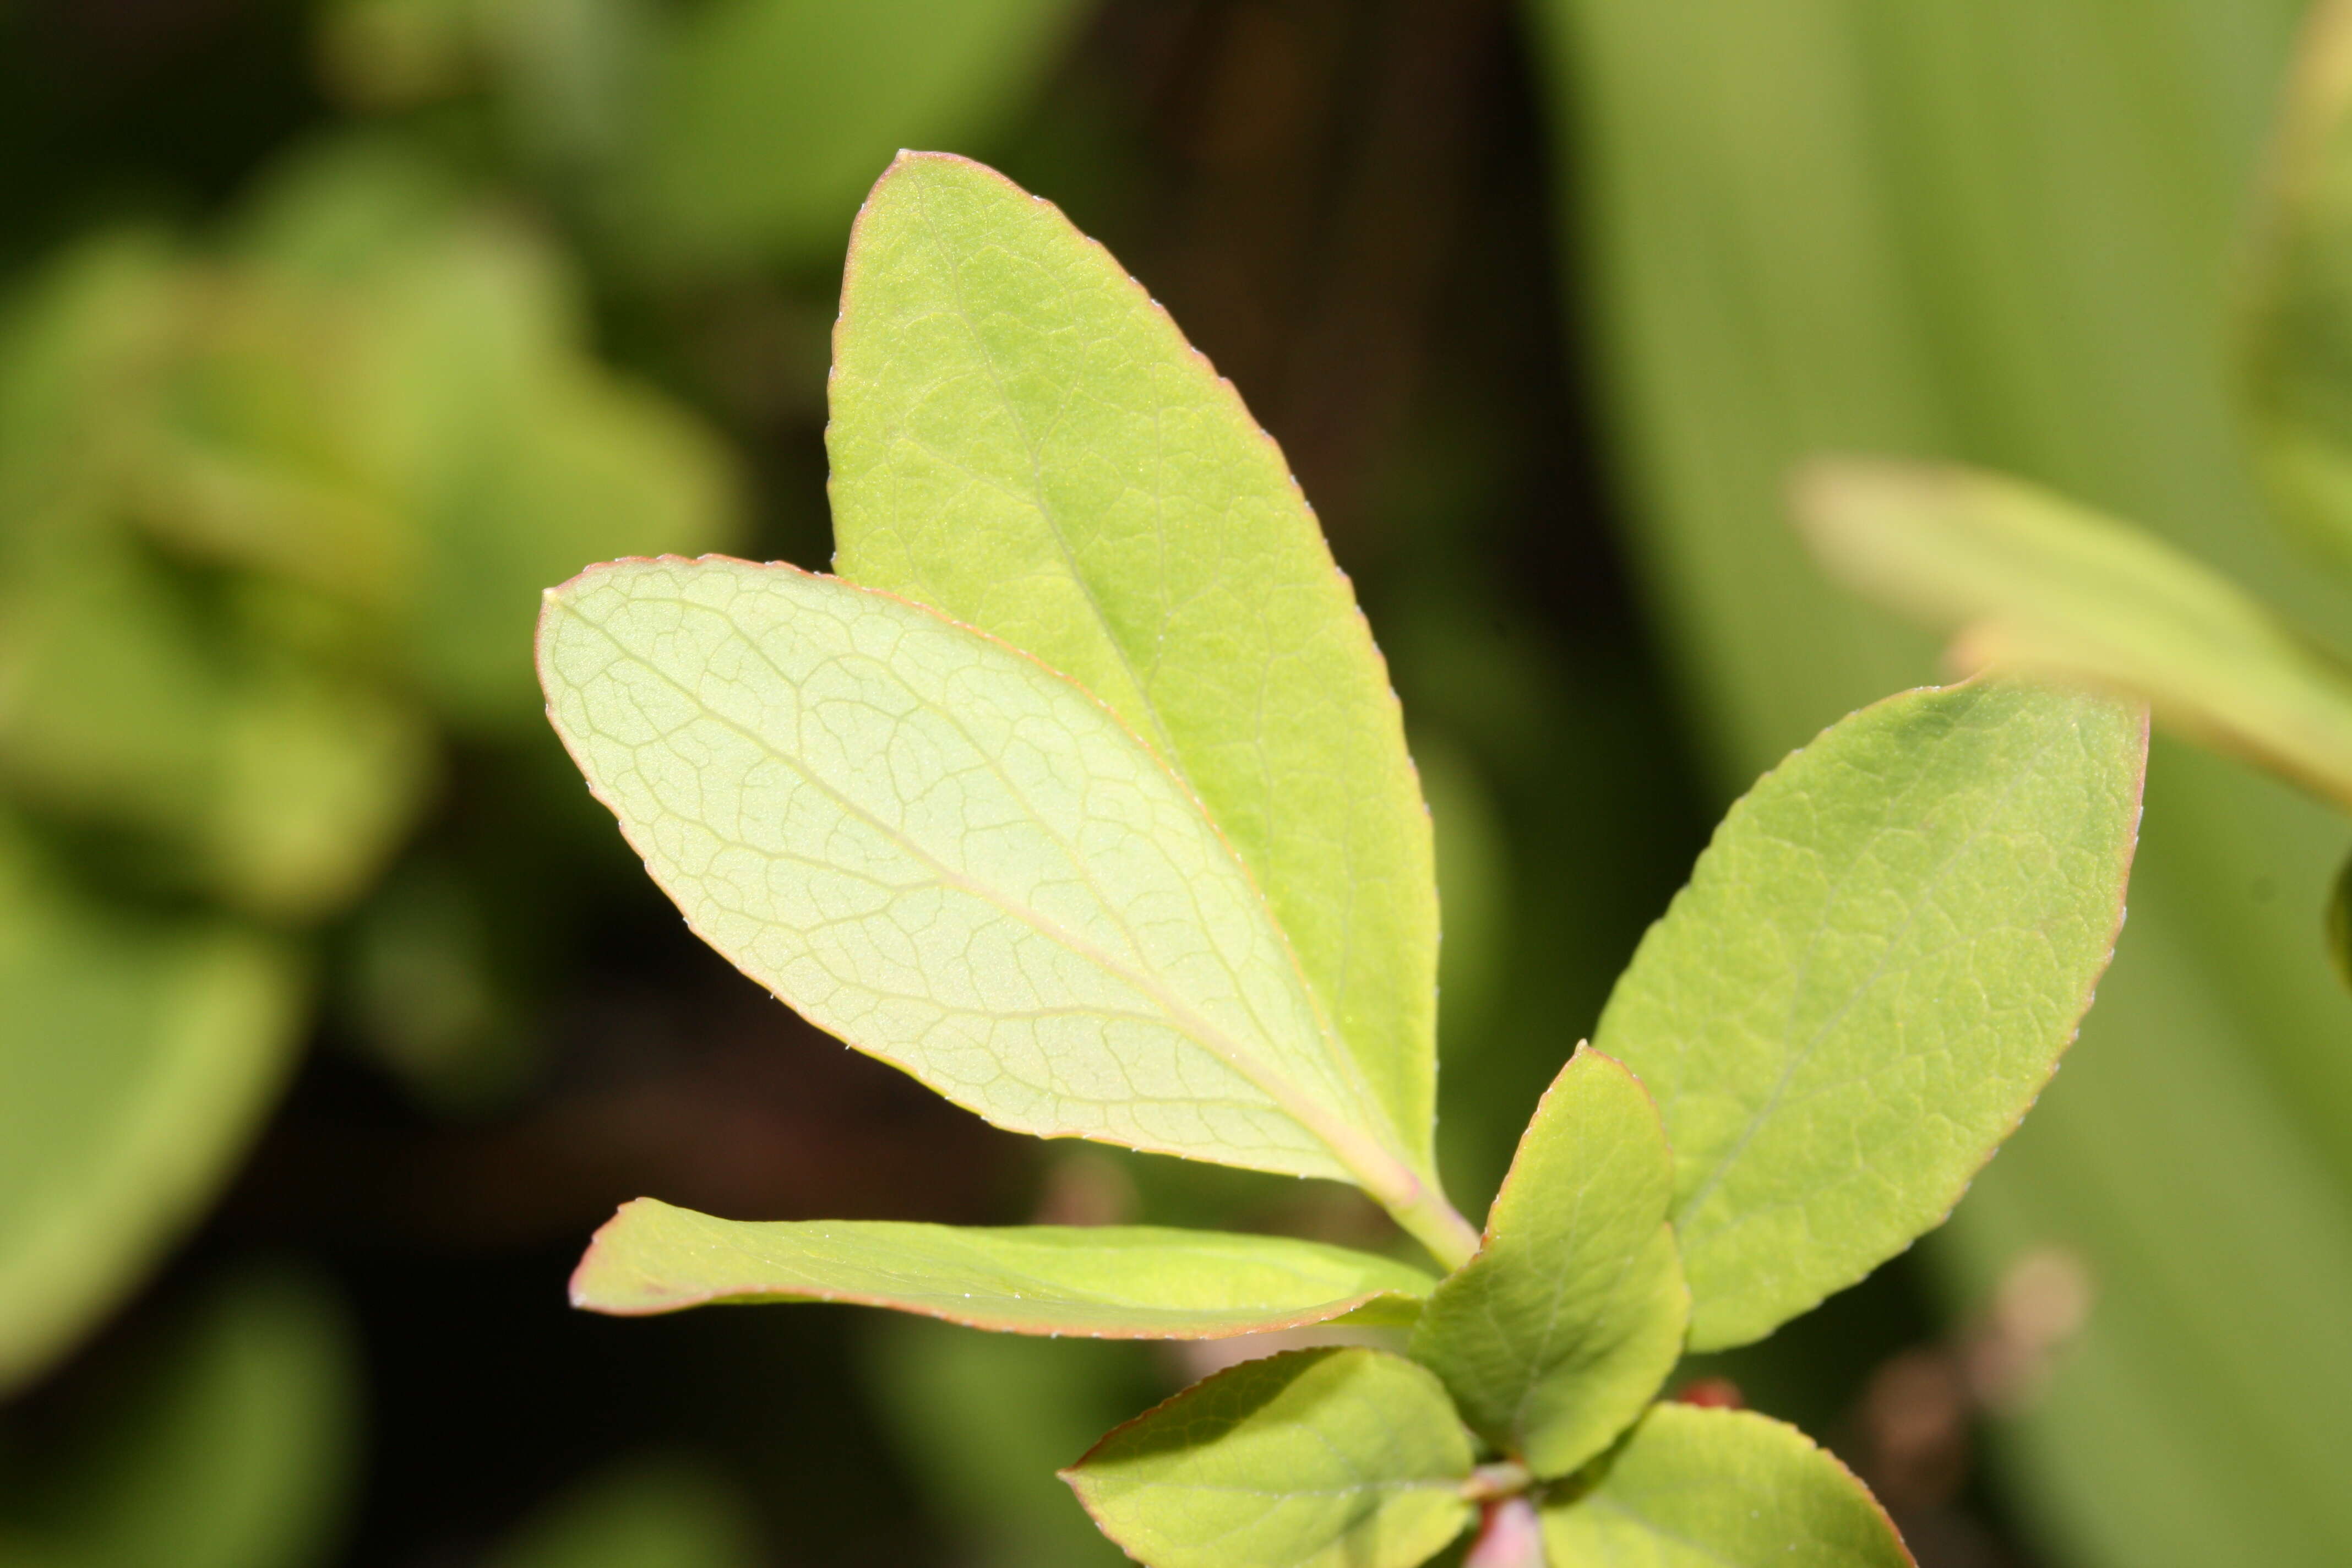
{"points": [[225, 1440], [277, 510], [713, 137], [142, 1051], [988, 1420]]}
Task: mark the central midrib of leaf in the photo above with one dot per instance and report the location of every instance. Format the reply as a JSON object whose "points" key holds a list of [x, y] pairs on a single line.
{"points": [[1379, 1168], [1790, 1068]]}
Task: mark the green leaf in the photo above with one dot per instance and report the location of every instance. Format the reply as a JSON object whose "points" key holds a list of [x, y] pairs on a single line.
{"points": [[135, 1059], [1720, 1488], [1021, 439], [1107, 1282], [766, 118], [2028, 580], [941, 851], [1323, 1458], [1554, 1338], [2297, 317], [228, 1441], [1872, 973]]}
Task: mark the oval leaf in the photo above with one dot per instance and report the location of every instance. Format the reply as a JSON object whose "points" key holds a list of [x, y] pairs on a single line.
{"points": [[2028, 580], [953, 858], [1554, 1338], [1721, 1488], [1872, 972], [1023, 439], [135, 1059], [1323, 1458], [1124, 1282]]}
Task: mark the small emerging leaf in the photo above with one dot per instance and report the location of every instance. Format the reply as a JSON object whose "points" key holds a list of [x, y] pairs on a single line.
{"points": [[955, 859], [1023, 439], [1323, 1458], [2026, 579], [1554, 1338], [1109, 1281], [1721, 1488], [1872, 972]]}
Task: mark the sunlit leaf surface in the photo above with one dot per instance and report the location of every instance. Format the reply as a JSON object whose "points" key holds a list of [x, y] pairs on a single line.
{"points": [[1327, 1458], [950, 856], [1870, 977], [1023, 439], [1106, 1281], [1558, 1332], [1720, 1488]]}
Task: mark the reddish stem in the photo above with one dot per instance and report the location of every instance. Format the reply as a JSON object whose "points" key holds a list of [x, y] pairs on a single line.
{"points": [[1509, 1536]]}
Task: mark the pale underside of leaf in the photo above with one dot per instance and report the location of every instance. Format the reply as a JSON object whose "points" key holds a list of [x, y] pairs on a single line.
{"points": [[1023, 439], [2027, 580], [1720, 1488], [1107, 1282], [1323, 1458], [1875, 968], [954, 860], [1557, 1335]]}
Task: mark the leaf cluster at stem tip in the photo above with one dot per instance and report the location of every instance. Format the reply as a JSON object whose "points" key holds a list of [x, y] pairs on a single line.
{"points": [[1080, 795]]}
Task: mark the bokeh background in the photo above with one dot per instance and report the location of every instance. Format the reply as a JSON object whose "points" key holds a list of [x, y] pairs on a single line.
{"points": [[334, 1015]]}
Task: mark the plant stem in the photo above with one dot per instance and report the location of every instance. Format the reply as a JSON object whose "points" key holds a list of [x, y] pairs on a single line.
{"points": [[1505, 1477], [1437, 1225], [1510, 1536]]}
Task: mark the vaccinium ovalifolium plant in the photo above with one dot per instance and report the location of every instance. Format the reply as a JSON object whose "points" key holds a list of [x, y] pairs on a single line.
{"points": [[1080, 795]]}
